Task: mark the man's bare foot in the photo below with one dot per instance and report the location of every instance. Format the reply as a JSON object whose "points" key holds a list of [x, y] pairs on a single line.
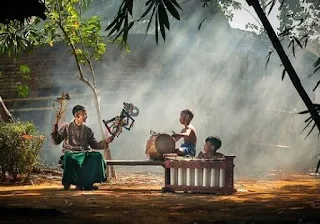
{"points": [[79, 188], [66, 186]]}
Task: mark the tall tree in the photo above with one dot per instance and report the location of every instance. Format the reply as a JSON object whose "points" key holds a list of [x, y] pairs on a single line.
{"points": [[83, 36]]}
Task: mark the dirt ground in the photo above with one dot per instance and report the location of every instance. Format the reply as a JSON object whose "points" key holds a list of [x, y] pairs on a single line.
{"points": [[137, 198]]}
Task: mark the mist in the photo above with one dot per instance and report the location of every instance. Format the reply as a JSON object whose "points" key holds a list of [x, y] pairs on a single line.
{"points": [[219, 74]]}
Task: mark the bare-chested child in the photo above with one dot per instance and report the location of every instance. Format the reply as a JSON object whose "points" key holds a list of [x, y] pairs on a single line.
{"points": [[212, 144], [188, 133]]}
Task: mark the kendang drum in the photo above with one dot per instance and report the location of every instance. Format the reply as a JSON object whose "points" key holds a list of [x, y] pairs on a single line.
{"points": [[158, 145]]}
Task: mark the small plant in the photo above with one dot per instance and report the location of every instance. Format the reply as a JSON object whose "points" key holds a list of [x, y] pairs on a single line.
{"points": [[19, 149]]}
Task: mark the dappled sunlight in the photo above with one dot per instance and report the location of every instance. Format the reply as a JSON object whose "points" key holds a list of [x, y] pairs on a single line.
{"points": [[20, 194], [30, 187]]}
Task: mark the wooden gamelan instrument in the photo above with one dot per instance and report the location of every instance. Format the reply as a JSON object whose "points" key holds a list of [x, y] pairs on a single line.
{"points": [[199, 175]]}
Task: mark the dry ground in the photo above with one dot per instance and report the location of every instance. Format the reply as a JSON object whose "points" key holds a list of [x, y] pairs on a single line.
{"points": [[137, 198]]}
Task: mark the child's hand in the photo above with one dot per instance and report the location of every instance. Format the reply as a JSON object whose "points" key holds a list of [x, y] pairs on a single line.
{"points": [[174, 135], [200, 155]]}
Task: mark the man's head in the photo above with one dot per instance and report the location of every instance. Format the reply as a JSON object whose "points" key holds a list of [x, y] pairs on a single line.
{"points": [[186, 116], [80, 114], [212, 143]]}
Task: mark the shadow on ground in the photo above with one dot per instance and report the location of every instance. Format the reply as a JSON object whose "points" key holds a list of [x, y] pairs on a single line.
{"points": [[284, 200]]}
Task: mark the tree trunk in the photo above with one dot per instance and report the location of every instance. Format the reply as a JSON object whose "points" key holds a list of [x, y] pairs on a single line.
{"points": [[285, 61], [107, 153], [5, 115]]}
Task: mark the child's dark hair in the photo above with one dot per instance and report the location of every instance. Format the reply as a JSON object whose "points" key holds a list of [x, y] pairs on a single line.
{"points": [[214, 140], [189, 113]]}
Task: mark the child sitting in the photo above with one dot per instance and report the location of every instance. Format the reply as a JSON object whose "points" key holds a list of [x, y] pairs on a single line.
{"points": [[212, 144], [188, 133]]}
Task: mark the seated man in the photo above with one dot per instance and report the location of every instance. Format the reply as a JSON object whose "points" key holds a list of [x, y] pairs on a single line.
{"points": [[212, 144], [80, 167]]}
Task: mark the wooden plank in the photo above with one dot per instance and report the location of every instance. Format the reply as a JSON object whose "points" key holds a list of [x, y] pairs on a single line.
{"points": [[32, 109], [134, 162]]}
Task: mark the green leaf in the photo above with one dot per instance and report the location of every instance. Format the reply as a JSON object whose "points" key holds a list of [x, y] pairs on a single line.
{"points": [[161, 23], [172, 10], [199, 26], [298, 42], [152, 3], [283, 74], [163, 16], [156, 27], [129, 6], [149, 23], [24, 69], [128, 49], [175, 3], [23, 91], [316, 86], [293, 50], [273, 2]]}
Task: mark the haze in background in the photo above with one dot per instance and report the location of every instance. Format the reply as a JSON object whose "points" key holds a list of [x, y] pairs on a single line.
{"points": [[220, 75]]}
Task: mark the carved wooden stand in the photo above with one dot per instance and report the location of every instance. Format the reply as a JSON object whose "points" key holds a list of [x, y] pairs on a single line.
{"points": [[214, 176]]}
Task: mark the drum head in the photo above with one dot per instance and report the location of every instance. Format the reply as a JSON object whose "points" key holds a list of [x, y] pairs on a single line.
{"points": [[165, 144]]}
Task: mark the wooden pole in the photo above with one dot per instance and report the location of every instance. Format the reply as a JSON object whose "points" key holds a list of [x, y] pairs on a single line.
{"points": [[135, 162]]}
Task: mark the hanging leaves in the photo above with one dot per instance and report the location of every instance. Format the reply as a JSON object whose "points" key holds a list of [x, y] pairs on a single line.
{"points": [[309, 120], [120, 25], [161, 9], [272, 3], [286, 31], [316, 65], [268, 58], [15, 39], [316, 86], [23, 91], [283, 74], [199, 26], [159, 12], [298, 42]]}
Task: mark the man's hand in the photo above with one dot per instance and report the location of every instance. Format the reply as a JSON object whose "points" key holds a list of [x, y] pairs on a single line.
{"points": [[109, 139], [55, 129]]}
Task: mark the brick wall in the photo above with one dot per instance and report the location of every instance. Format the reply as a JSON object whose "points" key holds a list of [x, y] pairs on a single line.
{"points": [[52, 68]]}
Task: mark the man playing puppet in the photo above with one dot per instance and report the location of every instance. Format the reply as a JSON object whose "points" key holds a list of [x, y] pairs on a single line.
{"points": [[81, 167]]}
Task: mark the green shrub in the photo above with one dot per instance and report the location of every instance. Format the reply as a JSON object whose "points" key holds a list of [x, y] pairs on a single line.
{"points": [[19, 148]]}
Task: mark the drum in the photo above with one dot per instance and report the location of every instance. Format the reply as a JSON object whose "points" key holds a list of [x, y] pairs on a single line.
{"points": [[159, 144]]}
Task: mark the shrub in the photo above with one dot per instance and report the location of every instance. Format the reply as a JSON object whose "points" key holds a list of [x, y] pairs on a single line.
{"points": [[19, 148]]}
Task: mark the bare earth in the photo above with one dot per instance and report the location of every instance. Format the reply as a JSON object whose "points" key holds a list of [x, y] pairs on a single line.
{"points": [[137, 198]]}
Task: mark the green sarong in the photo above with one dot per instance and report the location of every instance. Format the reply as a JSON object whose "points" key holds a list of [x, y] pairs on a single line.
{"points": [[83, 168]]}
